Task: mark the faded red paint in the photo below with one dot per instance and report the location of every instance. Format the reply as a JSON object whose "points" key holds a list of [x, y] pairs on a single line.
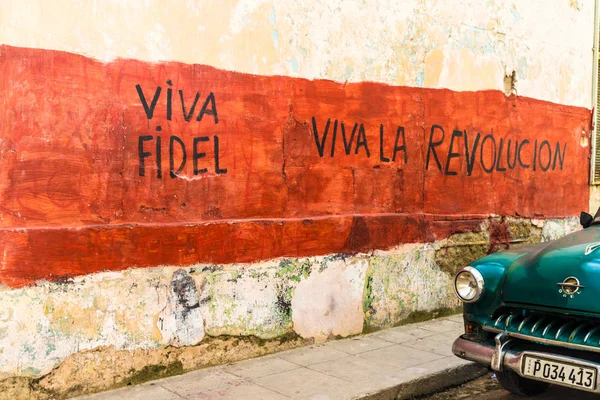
{"points": [[72, 201]]}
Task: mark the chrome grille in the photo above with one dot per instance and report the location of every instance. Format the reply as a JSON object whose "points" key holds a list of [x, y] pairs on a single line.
{"points": [[560, 330]]}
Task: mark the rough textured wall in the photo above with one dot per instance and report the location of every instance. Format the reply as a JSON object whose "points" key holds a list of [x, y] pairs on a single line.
{"points": [[458, 44], [342, 160], [112, 329], [104, 171]]}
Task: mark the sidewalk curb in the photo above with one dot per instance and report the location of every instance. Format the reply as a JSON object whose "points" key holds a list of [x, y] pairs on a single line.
{"points": [[428, 384]]}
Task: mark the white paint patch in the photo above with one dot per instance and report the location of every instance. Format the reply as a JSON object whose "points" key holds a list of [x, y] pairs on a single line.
{"points": [[555, 228], [329, 302]]}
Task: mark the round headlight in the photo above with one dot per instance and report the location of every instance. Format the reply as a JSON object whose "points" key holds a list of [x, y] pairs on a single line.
{"points": [[468, 284]]}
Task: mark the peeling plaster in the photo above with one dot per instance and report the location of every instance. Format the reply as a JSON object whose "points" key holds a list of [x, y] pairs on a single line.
{"points": [[316, 297], [380, 41], [181, 322]]}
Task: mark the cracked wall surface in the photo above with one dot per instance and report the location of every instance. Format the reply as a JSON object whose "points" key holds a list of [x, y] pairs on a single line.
{"points": [[122, 321]]}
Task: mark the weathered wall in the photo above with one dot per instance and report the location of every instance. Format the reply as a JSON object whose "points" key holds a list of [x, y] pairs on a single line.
{"points": [[341, 162], [458, 44], [81, 335], [257, 167]]}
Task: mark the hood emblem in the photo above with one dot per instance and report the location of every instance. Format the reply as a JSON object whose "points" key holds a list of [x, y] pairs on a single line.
{"points": [[570, 287], [591, 248]]}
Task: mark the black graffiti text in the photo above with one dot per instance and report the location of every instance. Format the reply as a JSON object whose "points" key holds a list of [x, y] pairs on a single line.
{"points": [[150, 147], [179, 153], [188, 107], [352, 139], [490, 153]]}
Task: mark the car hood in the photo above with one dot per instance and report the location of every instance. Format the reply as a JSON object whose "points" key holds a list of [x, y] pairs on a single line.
{"points": [[534, 277]]}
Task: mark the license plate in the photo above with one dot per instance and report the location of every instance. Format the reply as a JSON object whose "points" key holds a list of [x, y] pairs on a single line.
{"points": [[560, 372]]}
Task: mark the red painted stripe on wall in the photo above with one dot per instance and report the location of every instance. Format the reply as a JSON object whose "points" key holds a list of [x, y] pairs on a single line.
{"points": [[59, 253], [94, 175]]}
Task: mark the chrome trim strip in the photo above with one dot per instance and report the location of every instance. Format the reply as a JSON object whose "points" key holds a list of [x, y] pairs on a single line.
{"points": [[524, 322], [499, 319], [547, 327], [508, 319], [563, 326], [545, 341], [539, 321], [573, 285], [577, 330], [590, 333]]}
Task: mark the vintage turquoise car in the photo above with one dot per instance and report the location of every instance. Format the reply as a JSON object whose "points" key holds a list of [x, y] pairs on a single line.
{"points": [[532, 314]]}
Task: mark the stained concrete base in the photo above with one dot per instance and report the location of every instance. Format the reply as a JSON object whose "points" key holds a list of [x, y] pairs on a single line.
{"points": [[395, 363]]}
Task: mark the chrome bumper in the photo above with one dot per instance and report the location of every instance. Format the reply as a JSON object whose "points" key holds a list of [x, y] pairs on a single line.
{"points": [[482, 353], [499, 357]]}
